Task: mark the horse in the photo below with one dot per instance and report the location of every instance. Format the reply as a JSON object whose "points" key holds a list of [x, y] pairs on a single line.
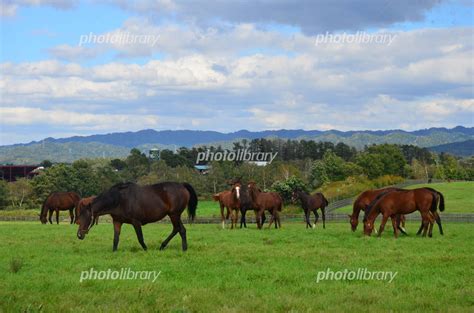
{"points": [[396, 202], [311, 203], [139, 205], [364, 200], [247, 204], [229, 199], [59, 201], [83, 203], [234, 203], [261, 201]]}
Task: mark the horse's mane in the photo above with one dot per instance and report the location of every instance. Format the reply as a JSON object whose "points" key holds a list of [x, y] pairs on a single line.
{"points": [[122, 185]]}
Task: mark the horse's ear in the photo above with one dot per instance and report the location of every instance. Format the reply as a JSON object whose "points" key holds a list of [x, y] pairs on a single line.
{"points": [[350, 216]]}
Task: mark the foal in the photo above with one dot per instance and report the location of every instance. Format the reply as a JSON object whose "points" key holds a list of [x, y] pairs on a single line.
{"points": [[311, 203]]}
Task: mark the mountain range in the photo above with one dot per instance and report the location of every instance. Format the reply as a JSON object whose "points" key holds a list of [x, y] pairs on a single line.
{"points": [[119, 144]]}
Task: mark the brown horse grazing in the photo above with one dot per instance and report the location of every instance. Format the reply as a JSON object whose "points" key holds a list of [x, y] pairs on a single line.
{"points": [[396, 202], [139, 205], [311, 203], [269, 201], [83, 203], [364, 200], [59, 201]]}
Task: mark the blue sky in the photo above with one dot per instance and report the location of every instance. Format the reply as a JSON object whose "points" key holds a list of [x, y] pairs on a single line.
{"points": [[230, 65]]}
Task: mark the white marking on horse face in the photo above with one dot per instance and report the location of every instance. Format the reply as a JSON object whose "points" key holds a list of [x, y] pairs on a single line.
{"points": [[237, 189]]}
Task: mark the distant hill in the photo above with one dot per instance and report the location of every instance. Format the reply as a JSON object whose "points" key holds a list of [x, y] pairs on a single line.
{"points": [[119, 144], [463, 148]]}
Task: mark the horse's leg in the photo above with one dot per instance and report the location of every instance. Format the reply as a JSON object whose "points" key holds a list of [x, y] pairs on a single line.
{"points": [[50, 215], [272, 217], [97, 220], [182, 233], [71, 214], [57, 216], [425, 221], [401, 223], [236, 212], [222, 216], [242, 218], [307, 218], [395, 224], [277, 219], [382, 224], [420, 229], [438, 221], [259, 219], [117, 229], [323, 211], [430, 231], [176, 228], [138, 231], [316, 217]]}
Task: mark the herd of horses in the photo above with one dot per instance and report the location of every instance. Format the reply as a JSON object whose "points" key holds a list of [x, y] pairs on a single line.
{"points": [[129, 203]]}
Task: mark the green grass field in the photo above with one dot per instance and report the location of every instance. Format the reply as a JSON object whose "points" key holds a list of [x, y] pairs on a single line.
{"points": [[234, 270]]}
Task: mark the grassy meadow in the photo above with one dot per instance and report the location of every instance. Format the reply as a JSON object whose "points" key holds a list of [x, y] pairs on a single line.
{"points": [[234, 270]]}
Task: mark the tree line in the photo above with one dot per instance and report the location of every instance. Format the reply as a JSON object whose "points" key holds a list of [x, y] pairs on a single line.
{"points": [[302, 163]]}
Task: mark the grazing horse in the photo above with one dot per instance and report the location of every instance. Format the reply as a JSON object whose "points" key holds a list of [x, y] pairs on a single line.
{"points": [[396, 202], [269, 201], [83, 203], [311, 203], [59, 201], [139, 205], [364, 200]]}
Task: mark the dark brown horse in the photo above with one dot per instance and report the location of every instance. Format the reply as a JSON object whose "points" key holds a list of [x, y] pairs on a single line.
{"points": [[364, 200], [265, 201], [59, 201], [311, 203], [139, 205], [82, 205], [396, 202], [246, 204]]}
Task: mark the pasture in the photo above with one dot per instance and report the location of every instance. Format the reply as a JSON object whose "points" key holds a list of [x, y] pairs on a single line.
{"points": [[234, 270]]}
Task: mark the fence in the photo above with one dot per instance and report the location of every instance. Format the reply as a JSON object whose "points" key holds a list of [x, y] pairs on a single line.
{"points": [[334, 204]]}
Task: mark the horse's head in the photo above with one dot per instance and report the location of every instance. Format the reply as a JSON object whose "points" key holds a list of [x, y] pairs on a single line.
{"points": [[295, 195], [43, 218], [85, 221], [236, 190], [102, 204], [354, 222], [368, 227]]}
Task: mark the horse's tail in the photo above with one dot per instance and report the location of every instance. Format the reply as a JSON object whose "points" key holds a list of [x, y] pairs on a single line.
{"points": [[193, 201], [441, 198], [326, 202], [441, 201]]}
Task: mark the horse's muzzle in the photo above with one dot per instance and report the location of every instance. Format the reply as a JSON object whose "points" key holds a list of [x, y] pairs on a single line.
{"points": [[80, 235]]}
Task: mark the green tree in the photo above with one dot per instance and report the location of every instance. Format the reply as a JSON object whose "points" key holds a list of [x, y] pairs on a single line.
{"points": [[3, 194]]}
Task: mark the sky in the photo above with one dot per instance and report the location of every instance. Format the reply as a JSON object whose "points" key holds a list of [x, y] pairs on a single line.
{"points": [[87, 67]]}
